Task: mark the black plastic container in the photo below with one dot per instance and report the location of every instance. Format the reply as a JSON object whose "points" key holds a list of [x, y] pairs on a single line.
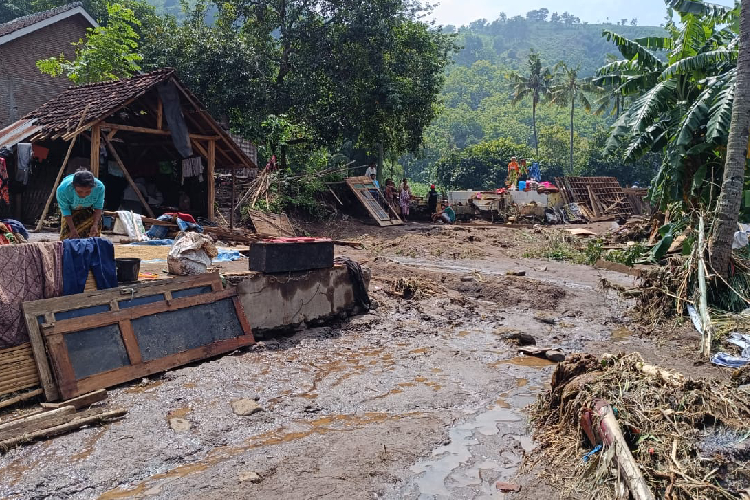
{"points": [[127, 270], [287, 255]]}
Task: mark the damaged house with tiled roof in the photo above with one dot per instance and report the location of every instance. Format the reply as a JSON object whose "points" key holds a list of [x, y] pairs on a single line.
{"points": [[24, 41], [148, 138]]}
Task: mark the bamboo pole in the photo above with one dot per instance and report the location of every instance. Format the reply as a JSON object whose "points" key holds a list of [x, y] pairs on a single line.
{"points": [[707, 333], [626, 464], [95, 142], [211, 180], [51, 197], [129, 178]]}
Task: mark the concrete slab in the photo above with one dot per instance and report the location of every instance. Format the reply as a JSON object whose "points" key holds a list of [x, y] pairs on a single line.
{"points": [[273, 301]]}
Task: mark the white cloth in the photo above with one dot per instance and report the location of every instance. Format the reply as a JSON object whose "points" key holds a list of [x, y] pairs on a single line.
{"points": [[130, 224], [371, 171]]}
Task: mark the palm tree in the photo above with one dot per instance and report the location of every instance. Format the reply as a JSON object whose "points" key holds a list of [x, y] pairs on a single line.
{"points": [[567, 91], [728, 205], [536, 85]]}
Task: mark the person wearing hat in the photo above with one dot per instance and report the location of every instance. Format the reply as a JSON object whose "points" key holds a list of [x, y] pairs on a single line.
{"points": [[81, 201], [432, 200]]}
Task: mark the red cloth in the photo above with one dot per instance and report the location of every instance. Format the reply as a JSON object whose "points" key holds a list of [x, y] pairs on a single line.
{"points": [[40, 152], [4, 193], [185, 217]]}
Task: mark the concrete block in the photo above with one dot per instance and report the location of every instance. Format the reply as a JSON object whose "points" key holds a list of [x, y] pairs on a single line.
{"points": [[273, 301]]}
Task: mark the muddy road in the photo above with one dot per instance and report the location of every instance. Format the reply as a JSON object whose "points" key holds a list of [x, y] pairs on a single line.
{"points": [[421, 398]]}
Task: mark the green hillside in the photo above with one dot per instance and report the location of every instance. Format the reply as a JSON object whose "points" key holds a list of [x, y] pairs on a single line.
{"points": [[476, 98]]}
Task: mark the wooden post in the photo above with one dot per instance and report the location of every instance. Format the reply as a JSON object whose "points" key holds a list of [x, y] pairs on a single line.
{"points": [[130, 179], [211, 180], [231, 213], [51, 197], [159, 113], [95, 142]]}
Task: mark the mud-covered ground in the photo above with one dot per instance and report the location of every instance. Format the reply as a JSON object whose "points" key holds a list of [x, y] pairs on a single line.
{"points": [[421, 398]]}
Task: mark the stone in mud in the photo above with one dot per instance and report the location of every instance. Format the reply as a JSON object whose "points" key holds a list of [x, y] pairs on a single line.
{"points": [[520, 338], [250, 477], [467, 279], [508, 487], [516, 273], [245, 407], [555, 356], [179, 424]]}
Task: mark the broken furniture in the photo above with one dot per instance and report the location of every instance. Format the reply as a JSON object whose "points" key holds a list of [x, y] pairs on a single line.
{"points": [[599, 198], [286, 255], [271, 224], [362, 187], [90, 341]]}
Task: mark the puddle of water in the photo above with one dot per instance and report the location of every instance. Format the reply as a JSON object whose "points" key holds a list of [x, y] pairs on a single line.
{"points": [[190, 385], [420, 350], [463, 333], [529, 361], [446, 459], [502, 403], [621, 334], [141, 388], [436, 370], [522, 382]]}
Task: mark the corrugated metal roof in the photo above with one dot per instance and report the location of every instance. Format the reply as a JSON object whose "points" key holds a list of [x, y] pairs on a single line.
{"points": [[18, 132]]}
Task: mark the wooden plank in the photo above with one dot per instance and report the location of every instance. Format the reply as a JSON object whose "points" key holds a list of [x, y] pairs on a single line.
{"points": [[114, 317], [64, 424], [21, 397], [159, 113], [128, 373], [361, 186], [18, 426], [211, 180], [131, 343], [95, 141], [80, 301], [129, 178], [40, 356], [197, 145], [80, 401], [152, 131], [271, 224]]}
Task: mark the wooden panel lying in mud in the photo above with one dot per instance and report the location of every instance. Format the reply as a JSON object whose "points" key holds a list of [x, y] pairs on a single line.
{"points": [[99, 340], [17, 369]]}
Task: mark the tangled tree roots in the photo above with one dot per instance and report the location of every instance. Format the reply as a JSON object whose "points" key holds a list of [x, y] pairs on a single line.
{"points": [[689, 437]]}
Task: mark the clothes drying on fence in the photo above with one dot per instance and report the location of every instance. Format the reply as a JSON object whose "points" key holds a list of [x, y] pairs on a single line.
{"points": [[29, 272], [192, 167], [80, 256]]}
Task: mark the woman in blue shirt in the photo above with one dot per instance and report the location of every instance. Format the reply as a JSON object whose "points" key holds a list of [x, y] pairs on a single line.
{"points": [[81, 201]]}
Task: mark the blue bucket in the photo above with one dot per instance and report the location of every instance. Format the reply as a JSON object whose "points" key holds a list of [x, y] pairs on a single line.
{"points": [[521, 185]]}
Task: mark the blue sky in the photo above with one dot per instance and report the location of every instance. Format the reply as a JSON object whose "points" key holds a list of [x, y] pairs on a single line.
{"points": [[648, 12]]}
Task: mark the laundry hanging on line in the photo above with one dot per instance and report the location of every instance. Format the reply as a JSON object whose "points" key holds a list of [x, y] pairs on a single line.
{"points": [[192, 167]]}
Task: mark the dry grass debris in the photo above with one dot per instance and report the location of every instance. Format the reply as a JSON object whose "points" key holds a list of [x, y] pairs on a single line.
{"points": [[689, 437]]}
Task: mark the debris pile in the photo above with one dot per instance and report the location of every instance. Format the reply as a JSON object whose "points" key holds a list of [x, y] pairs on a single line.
{"points": [[685, 438]]}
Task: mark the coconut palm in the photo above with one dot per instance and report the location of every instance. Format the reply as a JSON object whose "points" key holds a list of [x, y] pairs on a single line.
{"points": [[567, 91], [728, 206], [536, 85]]}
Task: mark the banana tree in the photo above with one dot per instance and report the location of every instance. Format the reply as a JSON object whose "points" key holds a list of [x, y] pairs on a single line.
{"points": [[682, 89]]}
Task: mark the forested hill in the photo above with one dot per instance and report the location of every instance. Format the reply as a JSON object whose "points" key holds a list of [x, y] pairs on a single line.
{"points": [[507, 42], [478, 110]]}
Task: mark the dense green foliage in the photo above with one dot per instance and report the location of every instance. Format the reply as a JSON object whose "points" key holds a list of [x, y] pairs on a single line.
{"points": [[681, 104], [489, 95], [108, 53], [368, 73]]}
